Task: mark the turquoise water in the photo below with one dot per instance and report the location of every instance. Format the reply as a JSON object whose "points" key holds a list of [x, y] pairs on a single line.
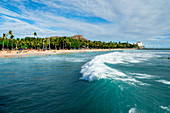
{"points": [[132, 81]]}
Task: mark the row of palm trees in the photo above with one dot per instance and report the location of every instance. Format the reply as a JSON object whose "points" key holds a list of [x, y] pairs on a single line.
{"points": [[7, 41], [4, 36], [10, 40]]}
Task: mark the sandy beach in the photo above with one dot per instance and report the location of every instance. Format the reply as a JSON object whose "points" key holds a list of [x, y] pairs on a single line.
{"points": [[29, 53]]}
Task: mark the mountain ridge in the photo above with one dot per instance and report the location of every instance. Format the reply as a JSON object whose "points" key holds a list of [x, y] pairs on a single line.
{"points": [[74, 37]]}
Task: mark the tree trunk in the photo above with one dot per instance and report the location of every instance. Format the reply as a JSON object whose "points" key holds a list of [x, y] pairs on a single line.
{"points": [[3, 45], [16, 46], [43, 45], [60, 45], [12, 45], [49, 44], [63, 45]]}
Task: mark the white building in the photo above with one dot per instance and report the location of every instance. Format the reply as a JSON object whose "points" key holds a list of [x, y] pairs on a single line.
{"points": [[139, 43]]}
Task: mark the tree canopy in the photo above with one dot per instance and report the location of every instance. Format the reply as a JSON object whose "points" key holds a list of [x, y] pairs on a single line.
{"points": [[59, 43]]}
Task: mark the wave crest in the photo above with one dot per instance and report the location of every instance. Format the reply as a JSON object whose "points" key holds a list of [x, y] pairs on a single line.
{"points": [[164, 81], [96, 68]]}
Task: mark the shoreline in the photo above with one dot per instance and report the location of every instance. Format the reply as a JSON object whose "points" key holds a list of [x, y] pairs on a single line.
{"points": [[31, 53]]}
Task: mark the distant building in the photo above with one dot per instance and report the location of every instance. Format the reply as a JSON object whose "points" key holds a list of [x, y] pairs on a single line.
{"points": [[139, 43]]}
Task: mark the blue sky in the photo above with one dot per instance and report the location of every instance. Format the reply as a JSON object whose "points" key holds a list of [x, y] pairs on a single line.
{"points": [[105, 20]]}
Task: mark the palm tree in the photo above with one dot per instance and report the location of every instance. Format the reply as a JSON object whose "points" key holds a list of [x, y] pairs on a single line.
{"points": [[17, 44], [3, 36], [60, 42], [68, 43], [10, 32], [43, 43], [55, 43], [46, 44], [7, 42], [35, 34], [52, 42], [64, 41], [11, 37], [49, 44]]}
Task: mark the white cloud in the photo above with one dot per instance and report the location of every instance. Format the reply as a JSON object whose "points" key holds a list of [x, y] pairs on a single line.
{"points": [[127, 19], [8, 12]]}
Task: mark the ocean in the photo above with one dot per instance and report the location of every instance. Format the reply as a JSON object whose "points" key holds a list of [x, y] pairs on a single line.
{"points": [[120, 81]]}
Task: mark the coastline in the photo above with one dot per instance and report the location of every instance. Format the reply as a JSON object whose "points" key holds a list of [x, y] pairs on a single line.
{"points": [[31, 53]]}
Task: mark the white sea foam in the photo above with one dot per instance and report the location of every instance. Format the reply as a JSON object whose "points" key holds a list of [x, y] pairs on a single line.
{"points": [[165, 108], [164, 81], [58, 58], [96, 68], [163, 53], [132, 110], [142, 76]]}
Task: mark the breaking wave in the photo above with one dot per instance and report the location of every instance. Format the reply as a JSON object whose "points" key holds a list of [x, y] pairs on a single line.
{"points": [[97, 69]]}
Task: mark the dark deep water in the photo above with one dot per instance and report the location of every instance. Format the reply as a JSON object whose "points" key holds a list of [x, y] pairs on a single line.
{"points": [[134, 81]]}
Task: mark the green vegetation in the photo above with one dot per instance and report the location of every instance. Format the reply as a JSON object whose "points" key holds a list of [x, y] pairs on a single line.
{"points": [[56, 43]]}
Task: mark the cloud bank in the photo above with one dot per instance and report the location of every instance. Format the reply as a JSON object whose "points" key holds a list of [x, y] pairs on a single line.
{"points": [[106, 20]]}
